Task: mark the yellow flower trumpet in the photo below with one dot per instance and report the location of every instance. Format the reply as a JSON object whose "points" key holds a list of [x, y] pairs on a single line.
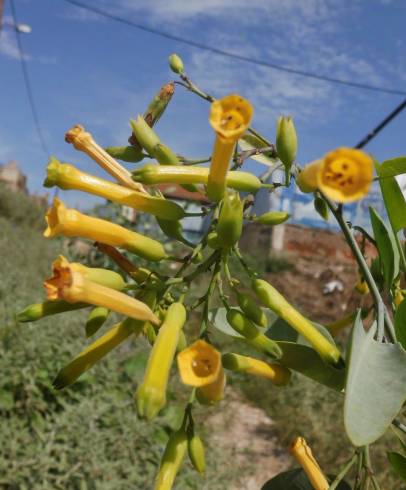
{"points": [[66, 176], [230, 118], [151, 394], [343, 175], [83, 141], [96, 351], [303, 454], [71, 223], [199, 364], [279, 375], [72, 286]]}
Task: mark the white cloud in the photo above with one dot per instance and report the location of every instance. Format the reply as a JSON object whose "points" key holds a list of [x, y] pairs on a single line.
{"points": [[8, 45]]}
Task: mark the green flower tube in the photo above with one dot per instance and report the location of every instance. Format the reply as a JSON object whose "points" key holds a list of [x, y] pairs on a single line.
{"points": [[67, 177], [151, 394], [272, 299], [184, 174], [144, 134], [230, 221], [125, 153], [272, 218], [172, 460], [249, 331]]}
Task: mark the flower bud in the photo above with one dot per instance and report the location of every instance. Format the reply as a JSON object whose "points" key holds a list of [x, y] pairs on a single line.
{"points": [[145, 135], [279, 375], [176, 64], [303, 454], [272, 299], [159, 103], [151, 394], [213, 240], [95, 320], [37, 311], [272, 218], [286, 141], [253, 337], [321, 207], [196, 451], [172, 460], [229, 225], [251, 309], [125, 153]]}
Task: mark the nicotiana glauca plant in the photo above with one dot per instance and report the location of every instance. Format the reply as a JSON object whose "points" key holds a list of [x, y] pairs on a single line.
{"points": [[369, 372]]}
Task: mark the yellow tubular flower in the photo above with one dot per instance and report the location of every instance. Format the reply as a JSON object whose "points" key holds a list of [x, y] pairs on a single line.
{"points": [[96, 351], [230, 118], [151, 394], [74, 287], [213, 392], [70, 223], [199, 364], [343, 175], [272, 299], [83, 141], [278, 374], [66, 176], [303, 454]]}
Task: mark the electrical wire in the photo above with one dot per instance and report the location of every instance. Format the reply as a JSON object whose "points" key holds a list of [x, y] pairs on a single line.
{"points": [[235, 56], [371, 135], [27, 83]]}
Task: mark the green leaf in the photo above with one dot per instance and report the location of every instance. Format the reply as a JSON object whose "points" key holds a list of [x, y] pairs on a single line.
{"points": [[375, 385], [398, 463], [250, 142], [386, 244], [281, 330], [296, 479], [321, 207], [393, 167], [305, 360], [400, 323], [393, 198]]}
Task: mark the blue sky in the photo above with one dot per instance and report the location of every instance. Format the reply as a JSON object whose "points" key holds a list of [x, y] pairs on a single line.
{"points": [[94, 71]]}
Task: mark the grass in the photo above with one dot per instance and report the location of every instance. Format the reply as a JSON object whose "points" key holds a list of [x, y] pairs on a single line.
{"points": [[88, 436]]}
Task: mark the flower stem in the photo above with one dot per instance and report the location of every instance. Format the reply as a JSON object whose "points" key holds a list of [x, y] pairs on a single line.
{"points": [[343, 472]]}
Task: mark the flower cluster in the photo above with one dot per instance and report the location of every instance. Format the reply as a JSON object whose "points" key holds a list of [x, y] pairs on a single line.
{"points": [[156, 305]]}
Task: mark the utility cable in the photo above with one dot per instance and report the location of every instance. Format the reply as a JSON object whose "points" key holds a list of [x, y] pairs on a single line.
{"points": [[235, 56], [28, 83]]}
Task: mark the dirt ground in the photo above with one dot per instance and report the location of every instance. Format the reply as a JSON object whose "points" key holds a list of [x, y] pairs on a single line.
{"points": [[303, 285], [247, 435]]}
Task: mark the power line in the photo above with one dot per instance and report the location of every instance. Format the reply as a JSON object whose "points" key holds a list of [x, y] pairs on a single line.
{"points": [[27, 82], [371, 135], [236, 56]]}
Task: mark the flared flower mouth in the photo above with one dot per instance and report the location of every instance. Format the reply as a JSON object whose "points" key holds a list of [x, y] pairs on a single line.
{"points": [[55, 217], [345, 175], [199, 364], [230, 116], [62, 278]]}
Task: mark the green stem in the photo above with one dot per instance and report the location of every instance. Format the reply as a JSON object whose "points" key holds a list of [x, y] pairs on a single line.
{"points": [[383, 318], [246, 267], [401, 252], [358, 478], [367, 463], [342, 473]]}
